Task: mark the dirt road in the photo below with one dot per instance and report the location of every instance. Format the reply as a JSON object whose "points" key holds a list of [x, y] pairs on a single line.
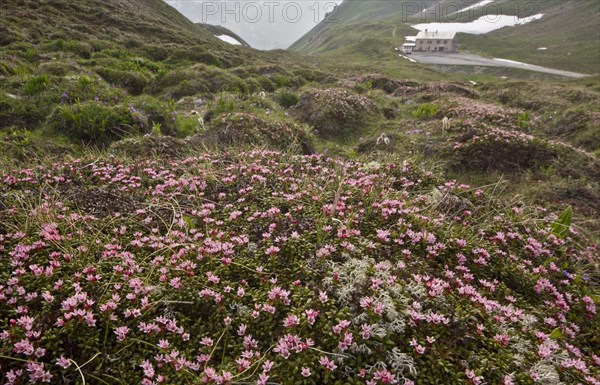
{"points": [[474, 60]]}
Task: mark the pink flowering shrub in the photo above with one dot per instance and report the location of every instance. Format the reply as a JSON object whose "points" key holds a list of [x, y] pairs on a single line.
{"points": [[267, 268]]}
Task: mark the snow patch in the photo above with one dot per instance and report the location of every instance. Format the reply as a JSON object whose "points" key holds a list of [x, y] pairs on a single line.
{"points": [[529, 19], [484, 24], [229, 39]]}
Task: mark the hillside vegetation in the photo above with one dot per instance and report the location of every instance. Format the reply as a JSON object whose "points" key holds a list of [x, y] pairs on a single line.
{"points": [[177, 210]]}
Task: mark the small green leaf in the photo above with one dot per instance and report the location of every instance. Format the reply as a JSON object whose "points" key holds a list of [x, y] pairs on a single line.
{"points": [[189, 222], [556, 334], [560, 227]]}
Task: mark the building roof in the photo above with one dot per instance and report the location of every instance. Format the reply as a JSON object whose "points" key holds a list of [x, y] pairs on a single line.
{"points": [[409, 45], [436, 35]]}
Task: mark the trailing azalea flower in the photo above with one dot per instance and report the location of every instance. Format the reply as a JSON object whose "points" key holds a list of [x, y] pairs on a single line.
{"points": [[263, 267], [327, 363]]}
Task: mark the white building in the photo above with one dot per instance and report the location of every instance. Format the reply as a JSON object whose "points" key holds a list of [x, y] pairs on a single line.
{"points": [[434, 41]]}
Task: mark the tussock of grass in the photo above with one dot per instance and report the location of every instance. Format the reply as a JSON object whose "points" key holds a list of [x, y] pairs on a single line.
{"points": [[248, 129], [335, 112]]}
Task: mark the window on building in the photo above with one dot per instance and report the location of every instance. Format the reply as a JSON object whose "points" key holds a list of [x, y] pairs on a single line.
{"points": [[438, 42], [429, 42], [445, 41]]}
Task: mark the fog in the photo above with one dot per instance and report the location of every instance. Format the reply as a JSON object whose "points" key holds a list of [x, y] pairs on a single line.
{"points": [[262, 24]]}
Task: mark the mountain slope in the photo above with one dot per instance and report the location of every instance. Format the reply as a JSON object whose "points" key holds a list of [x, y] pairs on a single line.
{"points": [[149, 20], [349, 12], [569, 30], [149, 27]]}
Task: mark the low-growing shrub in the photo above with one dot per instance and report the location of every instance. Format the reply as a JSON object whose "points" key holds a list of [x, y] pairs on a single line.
{"points": [[149, 146], [523, 121], [223, 105], [133, 81], [579, 126], [22, 112], [80, 48], [282, 81], [286, 99], [379, 82], [265, 83], [58, 68], [196, 54], [248, 129], [500, 150], [15, 143], [198, 79], [261, 267], [335, 112], [187, 125], [155, 112]]}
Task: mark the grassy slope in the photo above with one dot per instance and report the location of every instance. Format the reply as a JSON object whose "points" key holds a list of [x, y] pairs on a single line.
{"points": [[569, 31], [348, 12], [123, 22]]}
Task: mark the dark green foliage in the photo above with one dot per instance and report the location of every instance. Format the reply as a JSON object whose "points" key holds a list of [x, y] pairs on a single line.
{"points": [[20, 112], [287, 99], [198, 79], [426, 111], [223, 105], [154, 112], [523, 121], [378, 81], [15, 142], [133, 81], [187, 125], [94, 122], [561, 226], [59, 68], [36, 84]]}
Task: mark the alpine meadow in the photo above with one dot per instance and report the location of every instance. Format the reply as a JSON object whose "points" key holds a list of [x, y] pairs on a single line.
{"points": [[408, 194]]}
